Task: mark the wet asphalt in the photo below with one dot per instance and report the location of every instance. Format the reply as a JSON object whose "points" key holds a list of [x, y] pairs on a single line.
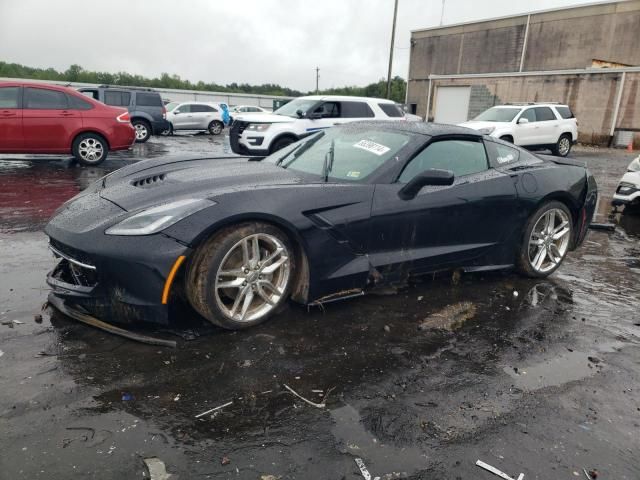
{"points": [[533, 377]]}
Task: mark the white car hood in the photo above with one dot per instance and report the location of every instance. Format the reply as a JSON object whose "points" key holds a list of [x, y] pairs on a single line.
{"points": [[632, 178], [263, 118], [478, 125]]}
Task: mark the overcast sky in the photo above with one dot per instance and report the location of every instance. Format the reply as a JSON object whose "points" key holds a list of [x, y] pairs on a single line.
{"points": [[252, 41]]}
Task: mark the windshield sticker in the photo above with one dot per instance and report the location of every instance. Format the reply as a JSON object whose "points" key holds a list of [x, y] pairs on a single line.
{"points": [[372, 147], [507, 158], [353, 174]]}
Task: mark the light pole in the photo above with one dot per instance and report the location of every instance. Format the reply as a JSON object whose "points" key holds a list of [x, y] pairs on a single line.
{"points": [[393, 37], [317, 78]]}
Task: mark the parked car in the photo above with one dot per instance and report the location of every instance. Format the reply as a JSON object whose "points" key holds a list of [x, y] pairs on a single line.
{"points": [[247, 109], [40, 118], [628, 191], [262, 134], [194, 116], [409, 117], [532, 125], [145, 105], [337, 214]]}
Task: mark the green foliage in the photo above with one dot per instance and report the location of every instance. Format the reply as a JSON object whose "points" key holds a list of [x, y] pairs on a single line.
{"points": [[376, 90], [75, 73]]}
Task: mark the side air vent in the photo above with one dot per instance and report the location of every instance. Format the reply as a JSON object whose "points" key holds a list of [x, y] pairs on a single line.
{"points": [[148, 181]]}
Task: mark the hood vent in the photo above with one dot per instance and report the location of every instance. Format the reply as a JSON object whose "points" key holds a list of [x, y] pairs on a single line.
{"points": [[149, 181]]}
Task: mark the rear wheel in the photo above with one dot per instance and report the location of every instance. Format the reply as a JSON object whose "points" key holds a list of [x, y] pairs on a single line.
{"points": [[563, 146], [242, 275], [90, 149], [546, 240], [143, 130], [216, 127]]}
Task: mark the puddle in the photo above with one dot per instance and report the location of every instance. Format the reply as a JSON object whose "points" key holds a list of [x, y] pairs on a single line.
{"points": [[557, 371]]}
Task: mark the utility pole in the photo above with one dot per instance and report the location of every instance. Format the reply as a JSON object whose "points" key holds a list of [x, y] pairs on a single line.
{"points": [[393, 37], [317, 78], [442, 13]]}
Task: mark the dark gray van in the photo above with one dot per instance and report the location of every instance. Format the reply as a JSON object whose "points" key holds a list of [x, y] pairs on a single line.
{"points": [[147, 111]]}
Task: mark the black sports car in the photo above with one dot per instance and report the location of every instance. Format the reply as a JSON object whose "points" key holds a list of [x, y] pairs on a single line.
{"points": [[338, 213]]}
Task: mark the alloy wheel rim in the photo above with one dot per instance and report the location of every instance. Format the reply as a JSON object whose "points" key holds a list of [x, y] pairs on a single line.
{"points": [[252, 277], [91, 150], [564, 145], [141, 131], [216, 129], [549, 240]]}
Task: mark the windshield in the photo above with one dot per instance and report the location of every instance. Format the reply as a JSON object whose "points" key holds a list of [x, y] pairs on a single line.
{"points": [[340, 153], [498, 115], [171, 106], [290, 109]]}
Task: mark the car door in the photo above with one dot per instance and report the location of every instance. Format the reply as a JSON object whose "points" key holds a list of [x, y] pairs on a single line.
{"points": [[324, 115], [526, 129], [47, 121], [204, 115], [11, 137], [549, 126], [183, 117], [442, 226]]}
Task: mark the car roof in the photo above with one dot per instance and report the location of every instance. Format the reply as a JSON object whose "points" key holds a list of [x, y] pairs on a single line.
{"points": [[530, 104], [346, 98], [423, 128]]}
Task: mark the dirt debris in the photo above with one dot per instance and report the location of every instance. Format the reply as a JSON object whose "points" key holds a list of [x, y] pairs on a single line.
{"points": [[450, 318]]}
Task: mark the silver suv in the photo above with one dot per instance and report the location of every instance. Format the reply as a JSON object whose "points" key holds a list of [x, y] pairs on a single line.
{"points": [[203, 116]]}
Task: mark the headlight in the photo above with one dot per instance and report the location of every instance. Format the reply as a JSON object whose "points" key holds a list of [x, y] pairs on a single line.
{"points": [[634, 166], [258, 127], [158, 218], [487, 130]]}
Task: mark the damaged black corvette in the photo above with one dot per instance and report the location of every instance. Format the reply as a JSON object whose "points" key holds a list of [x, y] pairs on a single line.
{"points": [[340, 212]]}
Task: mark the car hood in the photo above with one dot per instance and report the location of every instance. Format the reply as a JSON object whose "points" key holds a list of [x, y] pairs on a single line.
{"points": [[631, 177], [150, 183], [476, 125], [263, 118]]}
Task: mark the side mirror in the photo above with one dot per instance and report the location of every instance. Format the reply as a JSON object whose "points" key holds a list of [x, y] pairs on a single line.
{"points": [[176, 112], [523, 120], [431, 177], [300, 113], [314, 116]]}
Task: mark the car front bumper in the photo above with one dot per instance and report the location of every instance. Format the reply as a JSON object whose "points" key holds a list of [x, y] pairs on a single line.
{"points": [[124, 281]]}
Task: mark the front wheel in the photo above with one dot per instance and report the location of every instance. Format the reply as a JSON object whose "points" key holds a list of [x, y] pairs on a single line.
{"points": [[90, 149], [242, 275], [143, 130], [563, 146], [216, 127], [546, 240]]}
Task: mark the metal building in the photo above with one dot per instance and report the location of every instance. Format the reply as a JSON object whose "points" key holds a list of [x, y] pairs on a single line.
{"points": [[587, 57]]}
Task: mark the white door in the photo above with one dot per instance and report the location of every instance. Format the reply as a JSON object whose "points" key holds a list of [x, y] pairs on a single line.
{"points": [[452, 104], [549, 125]]}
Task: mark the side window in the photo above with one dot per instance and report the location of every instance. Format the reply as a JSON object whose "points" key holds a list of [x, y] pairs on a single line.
{"points": [[185, 108], [41, 99], [391, 110], [202, 108], [9, 97], [565, 112], [356, 110], [117, 98], [500, 154], [148, 100], [544, 114], [76, 103], [91, 94], [529, 114], [328, 110], [462, 157]]}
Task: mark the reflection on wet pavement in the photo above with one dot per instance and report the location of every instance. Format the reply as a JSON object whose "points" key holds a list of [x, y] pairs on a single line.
{"points": [[536, 376]]}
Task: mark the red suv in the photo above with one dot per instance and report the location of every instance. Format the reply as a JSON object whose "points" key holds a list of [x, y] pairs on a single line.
{"points": [[39, 118]]}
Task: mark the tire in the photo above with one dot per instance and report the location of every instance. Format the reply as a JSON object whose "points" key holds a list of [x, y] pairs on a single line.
{"points": [[507, 138], [537, 240], [280, 143], [215, 127], [167, 131], [143, 130], [562, 146], [90, 149], [221, 297]]}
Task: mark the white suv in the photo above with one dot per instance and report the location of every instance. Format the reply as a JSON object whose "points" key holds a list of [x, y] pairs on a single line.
{"points": [[195, 116], [264, 133], [531, 125]]}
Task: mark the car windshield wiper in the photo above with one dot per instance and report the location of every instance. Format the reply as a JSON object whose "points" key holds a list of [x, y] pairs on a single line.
{"points": [[281, 159], [328, 161]]}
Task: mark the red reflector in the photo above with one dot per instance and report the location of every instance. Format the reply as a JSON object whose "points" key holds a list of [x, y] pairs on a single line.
{"points": [[124, 117], [164, 112]]}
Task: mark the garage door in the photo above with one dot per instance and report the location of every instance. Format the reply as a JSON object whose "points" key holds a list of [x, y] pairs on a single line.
{"points": [[452, 104]]}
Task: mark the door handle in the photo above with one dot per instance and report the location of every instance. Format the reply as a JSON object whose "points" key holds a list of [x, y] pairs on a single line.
{"points": [[66, 114]]}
